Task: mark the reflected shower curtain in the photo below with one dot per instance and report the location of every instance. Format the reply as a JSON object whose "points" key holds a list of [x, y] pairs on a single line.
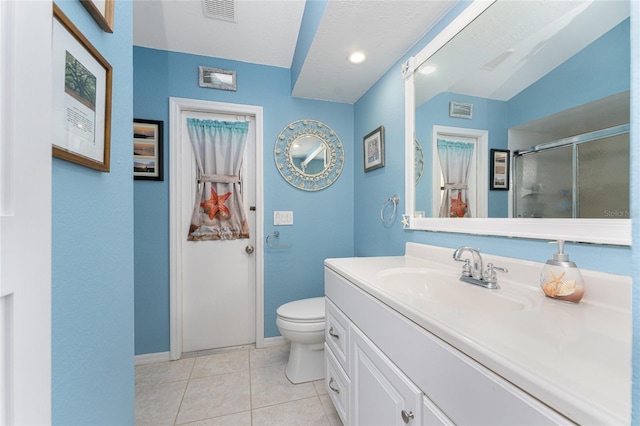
{"points": [[218, 146], [455, 159]]}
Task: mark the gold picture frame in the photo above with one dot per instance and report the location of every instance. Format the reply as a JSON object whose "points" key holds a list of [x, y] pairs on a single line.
{"points": [[102, 11], [81, 97]]}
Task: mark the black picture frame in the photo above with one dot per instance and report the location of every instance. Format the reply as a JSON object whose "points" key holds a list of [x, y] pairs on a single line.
{"points": [[147, 149], [373, 147], [500, 169]]}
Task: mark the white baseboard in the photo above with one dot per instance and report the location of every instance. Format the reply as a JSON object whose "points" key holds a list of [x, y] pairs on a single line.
{"points": [[275, 341], [152, 358], [165, 356]]}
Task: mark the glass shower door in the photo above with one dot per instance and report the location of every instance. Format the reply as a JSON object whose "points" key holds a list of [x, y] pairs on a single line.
{"points": [[603, 178], [586, 176], [544, 183]]}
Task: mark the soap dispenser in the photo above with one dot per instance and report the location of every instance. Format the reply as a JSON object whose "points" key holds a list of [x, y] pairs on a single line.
{"points": [[561, 279]]}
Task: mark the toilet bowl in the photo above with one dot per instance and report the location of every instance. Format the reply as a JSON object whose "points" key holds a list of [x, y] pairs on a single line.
{"points": [[302, 322]]}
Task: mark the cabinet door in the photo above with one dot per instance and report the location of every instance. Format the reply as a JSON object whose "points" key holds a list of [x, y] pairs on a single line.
{"points": [[381, 393], [432, 416]]}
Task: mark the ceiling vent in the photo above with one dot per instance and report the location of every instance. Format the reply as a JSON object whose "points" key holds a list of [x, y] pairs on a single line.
{"points": [[493, 64], [224, 10]]}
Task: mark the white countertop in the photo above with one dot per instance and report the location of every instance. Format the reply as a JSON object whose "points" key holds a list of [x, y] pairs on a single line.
{"points": [[576, 358]]}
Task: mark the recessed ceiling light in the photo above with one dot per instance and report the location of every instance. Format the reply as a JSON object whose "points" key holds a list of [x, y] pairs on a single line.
{"points": [[357, 57], [427, 70]]}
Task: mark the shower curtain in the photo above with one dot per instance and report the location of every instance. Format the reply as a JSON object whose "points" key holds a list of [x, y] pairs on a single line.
{"points": [[218, 212], [455, 159]]}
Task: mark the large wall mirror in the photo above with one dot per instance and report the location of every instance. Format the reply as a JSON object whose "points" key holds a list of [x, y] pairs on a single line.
{"points": [[547, 83]]}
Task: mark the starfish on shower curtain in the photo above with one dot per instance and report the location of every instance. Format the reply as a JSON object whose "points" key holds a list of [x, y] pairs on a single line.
{"points": [[458, 207], [215, 204]]}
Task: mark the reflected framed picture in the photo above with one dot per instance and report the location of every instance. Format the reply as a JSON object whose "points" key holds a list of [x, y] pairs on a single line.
{"points": [[215, 78], [374, 149], [500, 159], [461, 110], [102, 12], [147, 149], [81, 97]]}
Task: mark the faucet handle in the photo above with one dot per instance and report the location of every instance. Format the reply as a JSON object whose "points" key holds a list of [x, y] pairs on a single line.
{"points": [[490, 275], [466, 268]]}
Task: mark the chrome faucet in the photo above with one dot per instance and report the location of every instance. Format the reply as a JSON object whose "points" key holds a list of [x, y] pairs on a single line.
{"points": [[476, 274], [476, 270]]}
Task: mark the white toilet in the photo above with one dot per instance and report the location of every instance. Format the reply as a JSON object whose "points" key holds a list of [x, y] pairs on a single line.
{"points": [[302, 322]]}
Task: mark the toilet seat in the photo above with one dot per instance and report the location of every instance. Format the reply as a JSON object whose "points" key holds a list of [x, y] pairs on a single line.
{"points": [[303, 311]]}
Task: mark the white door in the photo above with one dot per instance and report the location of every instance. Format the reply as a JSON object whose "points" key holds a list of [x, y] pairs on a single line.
{"points": [[478, 170], [218, 277], [25, 212]]}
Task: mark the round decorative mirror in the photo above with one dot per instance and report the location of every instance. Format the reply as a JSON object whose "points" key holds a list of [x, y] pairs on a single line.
{"points": [[309, 155]]}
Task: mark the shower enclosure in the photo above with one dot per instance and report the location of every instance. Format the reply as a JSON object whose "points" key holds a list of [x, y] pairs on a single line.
{"points": [[584, 176]]}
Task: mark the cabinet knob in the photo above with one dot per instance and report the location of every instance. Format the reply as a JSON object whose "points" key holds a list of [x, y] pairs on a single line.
{"points": [[336, 390], [333, 333], [407, 417]]}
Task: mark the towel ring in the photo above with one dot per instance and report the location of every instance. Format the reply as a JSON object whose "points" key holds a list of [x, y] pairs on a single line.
{"points": [[393, 200], [275, 234]]}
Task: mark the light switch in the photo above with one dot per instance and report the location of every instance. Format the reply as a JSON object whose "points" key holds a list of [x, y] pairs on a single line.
{"points": [[283, 218]]}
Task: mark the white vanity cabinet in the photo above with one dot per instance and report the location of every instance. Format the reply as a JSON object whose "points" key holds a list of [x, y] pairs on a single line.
{"points": [[364, 385], [385, 369], [381, 394]]}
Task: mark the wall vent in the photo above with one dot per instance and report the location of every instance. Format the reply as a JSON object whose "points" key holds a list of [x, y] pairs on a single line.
{"points": [[224, 10]]}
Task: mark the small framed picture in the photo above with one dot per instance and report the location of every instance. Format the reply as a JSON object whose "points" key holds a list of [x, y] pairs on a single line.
{"points": [[461, 110], [147, 149], [81, 97], [500, 169], [374, 149], [215, 78], [102, 12]]}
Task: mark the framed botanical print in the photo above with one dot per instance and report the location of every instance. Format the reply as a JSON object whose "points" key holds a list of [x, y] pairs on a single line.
{"points": [[81, 97]]}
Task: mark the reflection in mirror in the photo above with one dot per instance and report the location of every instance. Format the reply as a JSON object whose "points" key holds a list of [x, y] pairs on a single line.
{"points": [[561, 57], [535, 75], [309, 155]]}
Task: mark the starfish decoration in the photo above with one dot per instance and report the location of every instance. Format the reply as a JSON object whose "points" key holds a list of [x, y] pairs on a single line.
{"points": [[215, 204], [405, 221], [458, 207]]}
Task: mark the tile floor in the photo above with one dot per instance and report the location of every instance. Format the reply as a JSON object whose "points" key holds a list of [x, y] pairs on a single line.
{"points": [[240, 387]]}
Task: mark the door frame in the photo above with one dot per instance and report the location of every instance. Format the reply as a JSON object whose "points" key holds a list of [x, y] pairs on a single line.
{"points": [[482, 170], [176, 107]]}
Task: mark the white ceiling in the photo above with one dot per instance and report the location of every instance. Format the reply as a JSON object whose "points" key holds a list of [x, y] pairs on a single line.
{"points": [[266, 33]]}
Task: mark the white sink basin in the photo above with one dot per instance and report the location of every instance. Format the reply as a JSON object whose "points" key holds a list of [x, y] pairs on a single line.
{"points": [[419, 286]]}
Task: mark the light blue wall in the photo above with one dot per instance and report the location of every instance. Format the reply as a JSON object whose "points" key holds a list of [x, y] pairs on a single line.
{"points": [[384, 104], [92, 257], [579, 80], [313, 12], [323, 220]]}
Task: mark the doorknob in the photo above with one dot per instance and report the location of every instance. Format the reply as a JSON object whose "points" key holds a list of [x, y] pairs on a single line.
{"points": [[249, 249]]}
